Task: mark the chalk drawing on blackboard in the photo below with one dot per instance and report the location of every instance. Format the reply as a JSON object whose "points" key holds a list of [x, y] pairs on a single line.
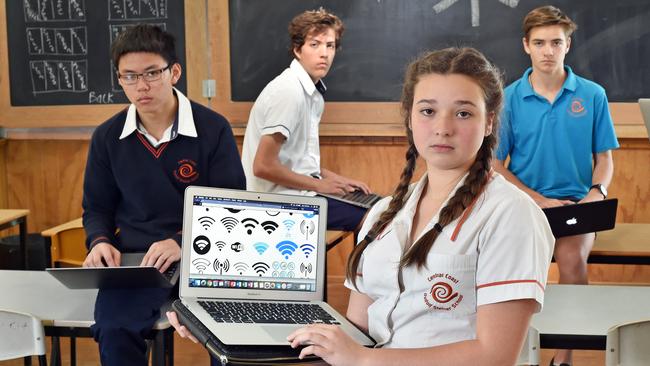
{"points": [[114, 30], [137, 9], [443, 5], [54, 10], [57, 41], [51, 76]]}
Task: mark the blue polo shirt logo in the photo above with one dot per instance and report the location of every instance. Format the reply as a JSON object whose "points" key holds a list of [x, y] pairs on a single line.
{"points": [[577, 107]]}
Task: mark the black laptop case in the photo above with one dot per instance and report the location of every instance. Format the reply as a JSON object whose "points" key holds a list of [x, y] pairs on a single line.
{"points": [[238, 355]]}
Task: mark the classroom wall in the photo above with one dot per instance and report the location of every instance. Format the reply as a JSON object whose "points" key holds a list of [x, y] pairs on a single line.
{"points": [[46, 177]]}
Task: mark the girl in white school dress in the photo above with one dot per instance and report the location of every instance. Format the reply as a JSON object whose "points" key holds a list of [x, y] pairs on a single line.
{"points": [[452, 266]]}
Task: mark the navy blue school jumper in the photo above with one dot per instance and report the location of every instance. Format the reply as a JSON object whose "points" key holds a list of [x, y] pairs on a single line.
{"points": [[131, 186]]}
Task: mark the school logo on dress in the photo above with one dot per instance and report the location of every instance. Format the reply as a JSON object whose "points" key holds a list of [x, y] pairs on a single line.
{"points": [[186, 171], [442, 295], [577, 107]]}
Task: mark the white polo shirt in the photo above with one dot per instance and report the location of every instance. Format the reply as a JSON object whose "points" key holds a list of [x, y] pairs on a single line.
{"points": [[291, 105], [501, 252]]}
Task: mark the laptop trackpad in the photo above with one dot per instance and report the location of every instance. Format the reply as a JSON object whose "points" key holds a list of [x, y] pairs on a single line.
{"points": [[279, 333]]}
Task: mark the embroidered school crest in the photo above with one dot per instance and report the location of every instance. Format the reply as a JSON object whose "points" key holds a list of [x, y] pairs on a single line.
{"points": [[442, 295], [577, 107], [186, 171]]}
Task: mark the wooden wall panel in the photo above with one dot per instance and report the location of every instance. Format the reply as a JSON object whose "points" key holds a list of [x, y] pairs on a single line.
{"points": [[631, 183], [46, 177]]}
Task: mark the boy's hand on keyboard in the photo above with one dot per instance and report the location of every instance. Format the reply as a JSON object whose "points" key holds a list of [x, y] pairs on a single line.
{"points": [[180, 329], [328, 342], [162, 254]]}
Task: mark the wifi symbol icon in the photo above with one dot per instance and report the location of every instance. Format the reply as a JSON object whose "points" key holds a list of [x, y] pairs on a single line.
{"points": [[229, 223], [269, 226], [307, 228], [240, 267], [286, 248], [201, 264], [307, 249], [288, 224], [260, 268], [221, 266], [206, 221], [201, 244], [306, 269], [261, 247], [249, 224], [220, 245]]}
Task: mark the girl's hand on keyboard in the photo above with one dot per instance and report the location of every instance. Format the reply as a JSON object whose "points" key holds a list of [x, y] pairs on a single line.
{"points": [[328, 342], [180, 329]]}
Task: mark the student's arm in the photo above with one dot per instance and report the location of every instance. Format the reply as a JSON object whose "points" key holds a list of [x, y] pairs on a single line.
{"points": [[603, 172], [541, 201], [351, 185], [358, 309], [100, 198], [267, 165], [500, 332]]}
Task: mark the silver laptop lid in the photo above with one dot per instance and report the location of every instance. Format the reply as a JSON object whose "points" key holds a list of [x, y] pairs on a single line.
{"points": [[249, 245], [644, 104]]}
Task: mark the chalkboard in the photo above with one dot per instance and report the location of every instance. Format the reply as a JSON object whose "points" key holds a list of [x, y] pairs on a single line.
{"points": [[611, 46], [59, 50]]}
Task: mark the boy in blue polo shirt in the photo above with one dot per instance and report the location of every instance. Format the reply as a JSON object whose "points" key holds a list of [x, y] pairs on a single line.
{"points": [[558, 133]]}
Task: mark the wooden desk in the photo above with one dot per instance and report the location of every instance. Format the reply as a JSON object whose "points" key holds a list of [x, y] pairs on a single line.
{"points": [[9, 218], [333, 237], [625, 244], [65, 312], [578, 316]]}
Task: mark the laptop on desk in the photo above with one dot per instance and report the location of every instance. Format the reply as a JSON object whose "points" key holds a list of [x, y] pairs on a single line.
{"points": [[355, 198], [253, 265], [128, 275], [582, 218], [644, 104]]}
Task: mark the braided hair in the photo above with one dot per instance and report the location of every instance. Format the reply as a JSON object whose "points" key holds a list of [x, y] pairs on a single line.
{"points": [[464, 61]]}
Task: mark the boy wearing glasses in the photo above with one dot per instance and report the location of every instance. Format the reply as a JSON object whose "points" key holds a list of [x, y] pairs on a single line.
{"points": [[139, 163]]}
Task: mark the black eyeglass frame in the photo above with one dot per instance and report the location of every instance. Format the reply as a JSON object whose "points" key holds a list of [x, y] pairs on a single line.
{"points": [[153, 75]]}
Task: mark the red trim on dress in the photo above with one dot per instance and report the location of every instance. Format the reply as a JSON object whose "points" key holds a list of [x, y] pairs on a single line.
{"points": [[499, 283]]}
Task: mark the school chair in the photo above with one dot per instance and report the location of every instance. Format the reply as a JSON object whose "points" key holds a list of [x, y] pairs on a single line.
{"points": [[628, 344], [67, 244], [529, 354], [22, 335]]}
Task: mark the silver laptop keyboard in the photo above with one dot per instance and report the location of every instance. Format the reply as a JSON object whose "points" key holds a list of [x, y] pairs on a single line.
{"points": [[359, 196], [266, 312]]}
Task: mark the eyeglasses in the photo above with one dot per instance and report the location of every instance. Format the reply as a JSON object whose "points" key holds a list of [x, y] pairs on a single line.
{"points": [[148, 76]]}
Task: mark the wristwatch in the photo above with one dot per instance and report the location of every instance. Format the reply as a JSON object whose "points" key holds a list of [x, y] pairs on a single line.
{"points": [[601, 188]]}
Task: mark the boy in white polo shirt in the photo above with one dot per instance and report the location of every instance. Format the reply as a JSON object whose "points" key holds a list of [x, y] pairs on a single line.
{"points": [[451, 268], [281, 151]]}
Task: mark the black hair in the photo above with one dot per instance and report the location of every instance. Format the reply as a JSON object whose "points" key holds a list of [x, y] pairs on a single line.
{"points": [[144, 38]]}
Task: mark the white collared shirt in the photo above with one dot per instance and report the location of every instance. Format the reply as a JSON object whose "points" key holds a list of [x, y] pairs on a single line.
{"points": [[502, 252], [291, 105], [184, 119]]}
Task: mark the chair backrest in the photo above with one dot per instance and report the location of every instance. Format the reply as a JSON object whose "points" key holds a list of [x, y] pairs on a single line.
{"points": [[529, 354], [68, 248], [21, 334], [628, 344]]}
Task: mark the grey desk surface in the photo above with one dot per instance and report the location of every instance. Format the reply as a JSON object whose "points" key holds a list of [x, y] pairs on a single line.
{"points": [[590, 310], [38, 293]]}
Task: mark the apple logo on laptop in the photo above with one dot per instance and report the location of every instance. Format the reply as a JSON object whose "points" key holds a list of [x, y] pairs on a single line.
{"points": [[572, 221]]}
